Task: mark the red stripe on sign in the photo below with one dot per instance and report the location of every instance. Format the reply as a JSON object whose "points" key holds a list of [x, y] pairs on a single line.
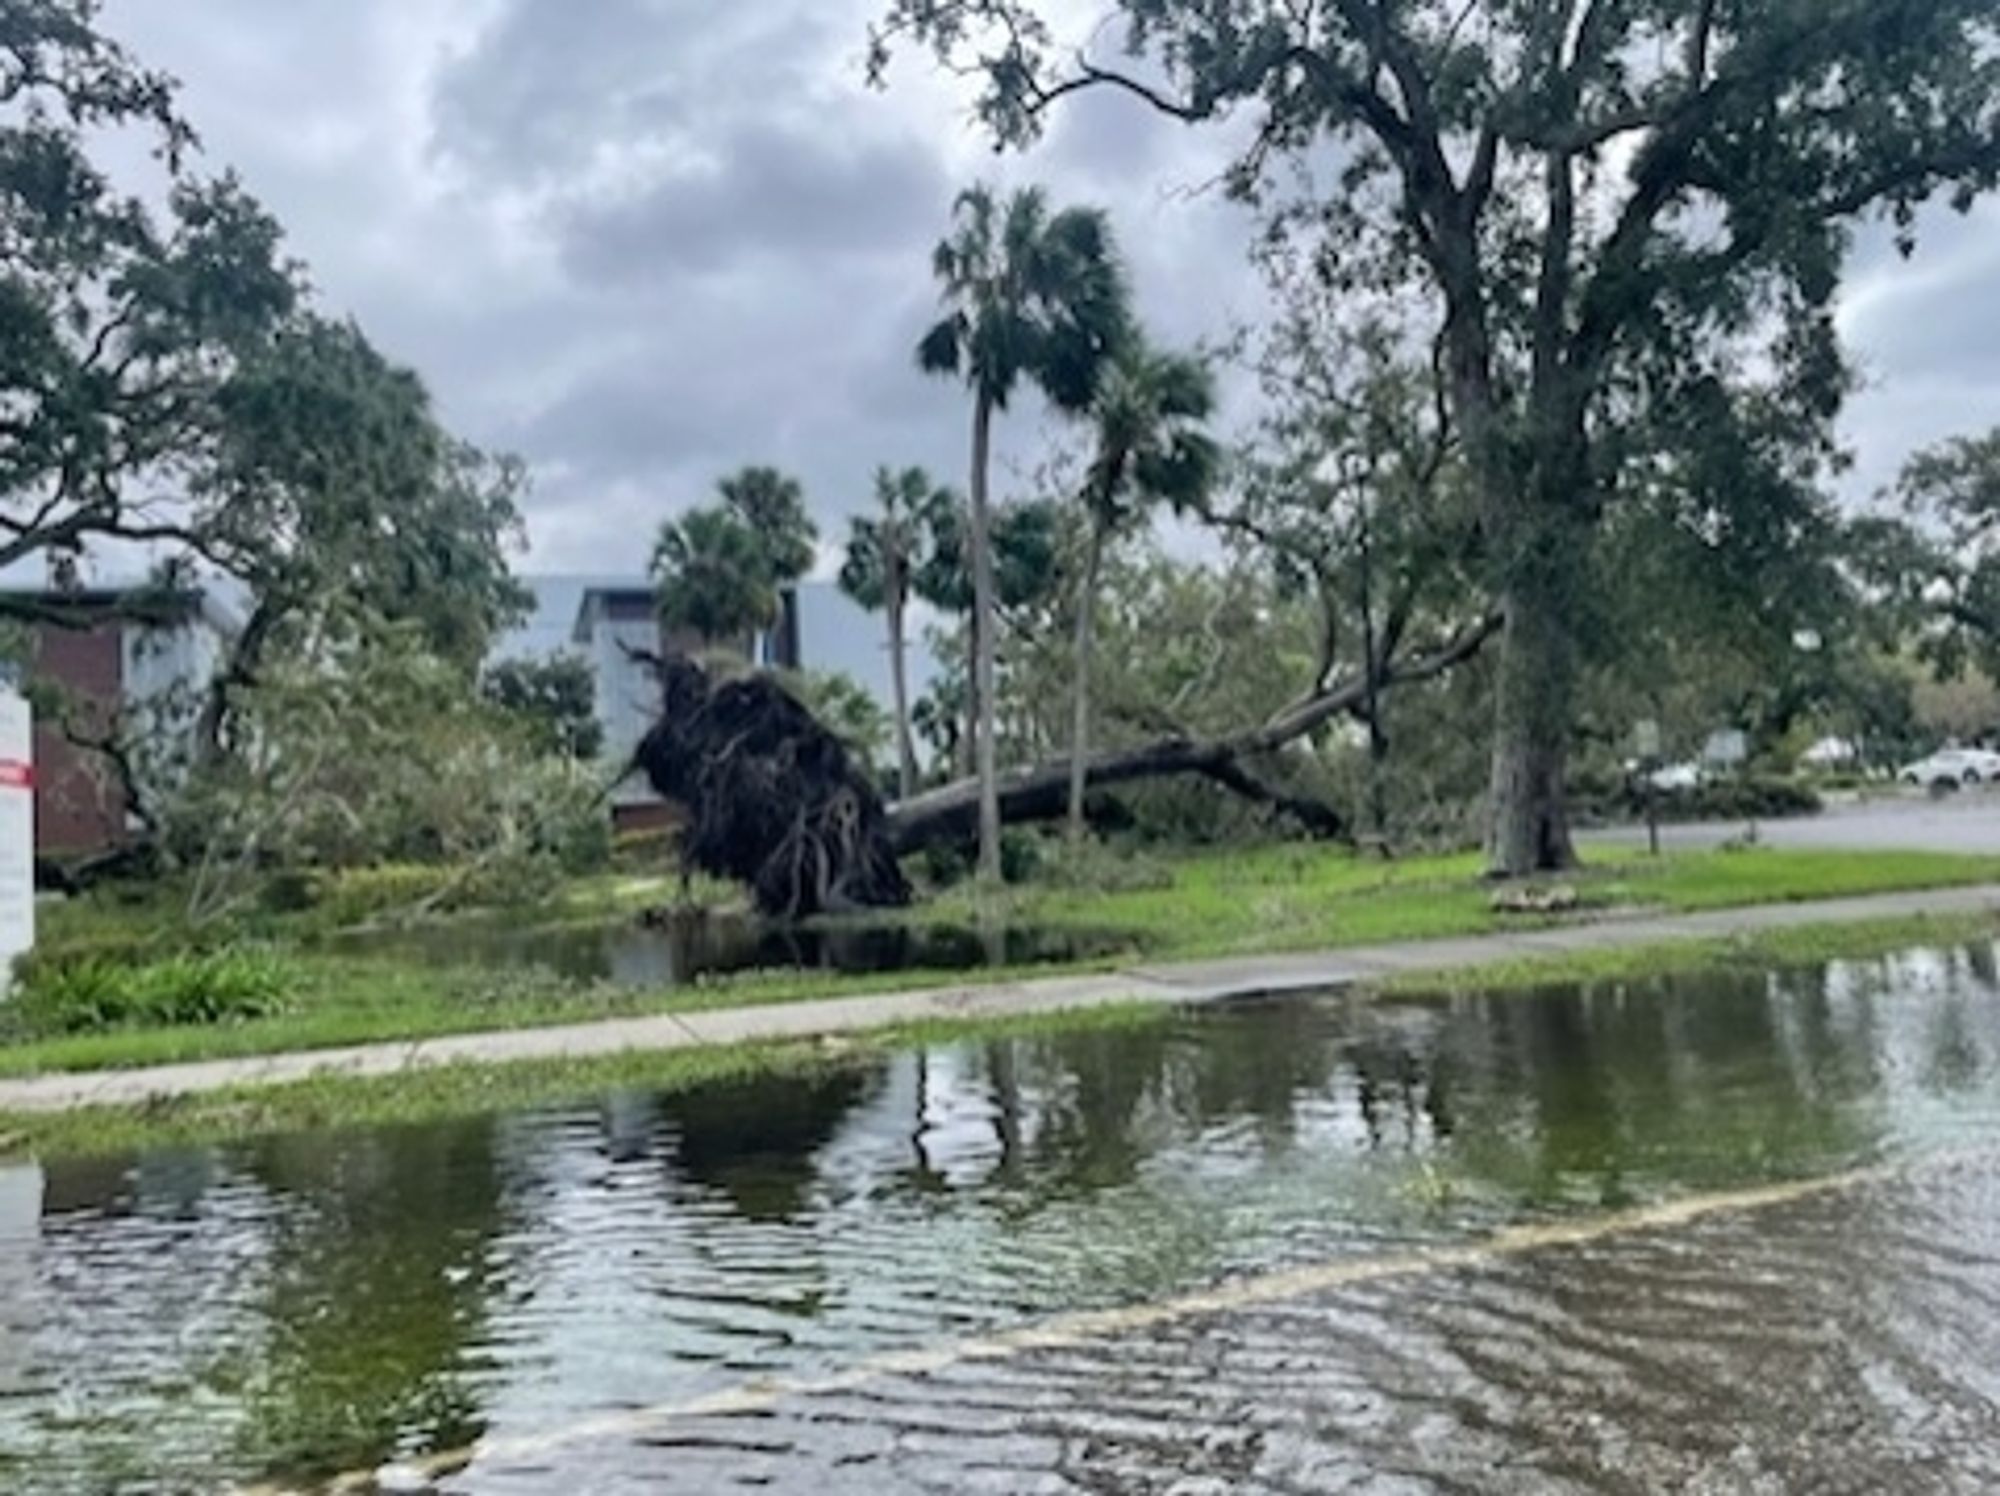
{"points": [[16, 775]]}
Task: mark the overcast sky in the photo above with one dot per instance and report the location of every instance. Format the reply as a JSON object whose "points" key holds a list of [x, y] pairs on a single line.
{"points": [[642, 242]]}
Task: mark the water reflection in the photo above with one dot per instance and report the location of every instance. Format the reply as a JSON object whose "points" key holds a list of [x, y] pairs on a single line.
{"points": [[314, 1304], [21, 1189], [372, 1297]]}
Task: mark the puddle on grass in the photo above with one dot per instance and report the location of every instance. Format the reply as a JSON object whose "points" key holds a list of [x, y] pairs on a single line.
{"points": [[302, 1306], [681, 949]]}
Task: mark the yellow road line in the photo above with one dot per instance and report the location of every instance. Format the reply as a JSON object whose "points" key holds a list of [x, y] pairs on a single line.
{"points": [[1068, 1330]]}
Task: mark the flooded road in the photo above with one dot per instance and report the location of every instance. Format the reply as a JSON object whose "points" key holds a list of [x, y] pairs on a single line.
{"points": [[1251, 1249]]}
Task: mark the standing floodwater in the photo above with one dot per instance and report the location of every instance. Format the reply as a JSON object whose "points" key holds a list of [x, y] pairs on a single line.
{"points": [[540, 1286]]}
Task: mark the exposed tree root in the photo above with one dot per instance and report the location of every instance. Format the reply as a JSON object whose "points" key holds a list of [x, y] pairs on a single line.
{"points": [[773, 799]]}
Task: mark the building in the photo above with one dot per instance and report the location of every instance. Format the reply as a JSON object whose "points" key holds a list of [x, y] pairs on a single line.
{"points": [[134, 660]]}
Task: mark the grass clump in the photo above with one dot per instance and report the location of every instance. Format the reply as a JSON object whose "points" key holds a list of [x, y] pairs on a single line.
{"points": [[98, 993]]}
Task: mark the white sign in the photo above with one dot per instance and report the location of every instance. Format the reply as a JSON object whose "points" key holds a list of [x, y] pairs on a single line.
{"points": [[1726, 746], [17, 828]]}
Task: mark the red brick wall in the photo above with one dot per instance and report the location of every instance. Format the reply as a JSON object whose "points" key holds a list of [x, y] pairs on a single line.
{"points": [[79, 805]]}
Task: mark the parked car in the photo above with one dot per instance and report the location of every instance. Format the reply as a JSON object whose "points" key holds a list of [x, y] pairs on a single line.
{"points": [[1951, 767], [1687, 776]]}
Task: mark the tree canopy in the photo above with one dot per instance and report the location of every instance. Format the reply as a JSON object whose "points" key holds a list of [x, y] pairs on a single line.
{"points": [[714, 576], [554, 699], [1629, 222], [773, 505], [173, 398], [330, 477], [722, 569], [124, 312]]}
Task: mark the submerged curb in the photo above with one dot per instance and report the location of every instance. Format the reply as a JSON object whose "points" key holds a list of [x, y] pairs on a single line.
{"points": [[1178, 983]]}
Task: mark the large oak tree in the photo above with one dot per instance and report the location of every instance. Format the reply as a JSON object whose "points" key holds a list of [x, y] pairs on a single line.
{"points": [[1630, 216]]}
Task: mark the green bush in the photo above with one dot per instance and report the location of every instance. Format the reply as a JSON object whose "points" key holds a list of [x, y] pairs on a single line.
{"points": [[646, 849], [943, 865], [356, 895], [1020, 855], [90, 994], [1597, 795], [581, 843], [1183, 812]]}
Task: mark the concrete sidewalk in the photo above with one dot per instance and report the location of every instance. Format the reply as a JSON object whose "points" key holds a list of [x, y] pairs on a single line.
{"points": [[1178, 983]]}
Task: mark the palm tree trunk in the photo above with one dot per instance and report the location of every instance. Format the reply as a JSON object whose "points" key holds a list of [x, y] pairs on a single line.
{"points": [[982, 644], [906, 753], [968, 741], [1079, 737]]}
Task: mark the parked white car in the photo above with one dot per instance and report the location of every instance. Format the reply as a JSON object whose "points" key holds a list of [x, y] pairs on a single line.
{"points": [[1952, 767], [1687, 776], [1673, 777]]}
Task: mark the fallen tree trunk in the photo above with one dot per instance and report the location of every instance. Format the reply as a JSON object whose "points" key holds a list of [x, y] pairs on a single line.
{"points": [[951, 812]]}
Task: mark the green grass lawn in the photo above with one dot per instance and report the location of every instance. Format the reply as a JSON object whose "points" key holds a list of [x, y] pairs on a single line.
{"points": [[1304, 898], [1208, 904]]}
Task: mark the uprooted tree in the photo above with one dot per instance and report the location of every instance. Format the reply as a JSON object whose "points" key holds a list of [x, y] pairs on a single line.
{"points": [[775, 801]]}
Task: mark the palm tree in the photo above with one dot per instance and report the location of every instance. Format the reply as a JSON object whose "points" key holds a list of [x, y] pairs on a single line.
{"points": [[1028, 295], [714, 575], [773, 505], [886, 552], [1150, 449]]}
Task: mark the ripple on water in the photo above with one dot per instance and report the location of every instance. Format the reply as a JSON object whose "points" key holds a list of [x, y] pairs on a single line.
{"points": [[315, 1304]]}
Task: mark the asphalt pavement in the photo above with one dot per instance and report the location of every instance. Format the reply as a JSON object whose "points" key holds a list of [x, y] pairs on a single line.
{"points": [[1967, 821]]}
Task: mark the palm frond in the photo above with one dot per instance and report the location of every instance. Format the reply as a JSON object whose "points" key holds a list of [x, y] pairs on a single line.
{"points": [[938, 351]]}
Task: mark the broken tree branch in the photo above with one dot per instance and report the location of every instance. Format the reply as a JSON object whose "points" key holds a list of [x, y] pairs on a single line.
{"points": [[1040, 793]]}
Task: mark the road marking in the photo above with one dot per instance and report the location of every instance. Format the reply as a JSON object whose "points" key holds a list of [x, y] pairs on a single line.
{"points": [[1085, 1326]]}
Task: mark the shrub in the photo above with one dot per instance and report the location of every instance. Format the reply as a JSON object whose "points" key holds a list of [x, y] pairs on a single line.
{"points": [[77, 996], [580, 841], [91, 994], [353, 896], [647, 849], [944, 865], [1743, 797], [1020, 855]]}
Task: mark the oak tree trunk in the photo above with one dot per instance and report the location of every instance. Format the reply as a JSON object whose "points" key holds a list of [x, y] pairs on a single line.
{"points": [[1529, 831]]}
